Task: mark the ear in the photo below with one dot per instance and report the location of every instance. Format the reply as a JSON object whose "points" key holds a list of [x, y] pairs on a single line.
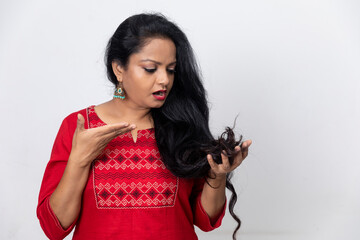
{"points": [[118, 70]]}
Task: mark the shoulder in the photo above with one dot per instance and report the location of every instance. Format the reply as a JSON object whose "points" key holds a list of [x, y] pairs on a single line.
{"points": [[73, 116], [70, 121]]}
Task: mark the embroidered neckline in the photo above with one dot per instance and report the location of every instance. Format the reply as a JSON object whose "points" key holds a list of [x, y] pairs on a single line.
{"points": [[93, 112]]}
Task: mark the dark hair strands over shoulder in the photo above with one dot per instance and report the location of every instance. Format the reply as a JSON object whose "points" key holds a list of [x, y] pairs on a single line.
{"points": [[182, 124]]}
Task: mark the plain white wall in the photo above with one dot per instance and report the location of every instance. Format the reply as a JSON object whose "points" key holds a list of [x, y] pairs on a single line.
{"points": [[290, 69]]}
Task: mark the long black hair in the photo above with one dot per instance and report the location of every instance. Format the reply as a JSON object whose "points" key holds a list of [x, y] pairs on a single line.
{"points": [[182, 124]]}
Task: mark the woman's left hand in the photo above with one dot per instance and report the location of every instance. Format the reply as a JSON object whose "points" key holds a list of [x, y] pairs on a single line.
{"points": [[220, 170]]}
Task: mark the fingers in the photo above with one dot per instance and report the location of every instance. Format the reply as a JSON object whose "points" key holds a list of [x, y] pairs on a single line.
{"points": [[211, 161], [225, 161], [245, 148], [241, 152], [246, 144], [221, 168], [225, 166], [80, 122], [104, 134], [238, 157], [114, 130]]}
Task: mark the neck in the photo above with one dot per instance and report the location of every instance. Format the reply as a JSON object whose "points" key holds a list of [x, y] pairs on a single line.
{"points": [[124, 109]]}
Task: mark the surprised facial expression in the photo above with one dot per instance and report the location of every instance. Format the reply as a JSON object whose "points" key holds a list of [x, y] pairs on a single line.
{"points": [[149, 76]]}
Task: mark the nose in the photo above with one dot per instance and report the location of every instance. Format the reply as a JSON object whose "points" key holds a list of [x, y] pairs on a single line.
{"points": [[163, 78]]}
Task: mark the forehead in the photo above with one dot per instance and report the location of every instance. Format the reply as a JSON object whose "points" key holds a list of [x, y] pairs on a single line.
{"points": [[159, 49]]}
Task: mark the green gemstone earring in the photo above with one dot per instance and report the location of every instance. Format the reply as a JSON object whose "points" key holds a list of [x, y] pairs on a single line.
{"points": [[119, 92]]}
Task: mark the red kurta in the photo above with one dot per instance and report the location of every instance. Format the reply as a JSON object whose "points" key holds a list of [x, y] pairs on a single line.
{"points": [[129, 194]]}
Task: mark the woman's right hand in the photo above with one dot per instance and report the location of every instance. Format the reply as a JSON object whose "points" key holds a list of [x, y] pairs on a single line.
{"points": [[87, 144]]}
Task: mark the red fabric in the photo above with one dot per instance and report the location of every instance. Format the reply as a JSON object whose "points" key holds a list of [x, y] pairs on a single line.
{"points": [[129, 194]]}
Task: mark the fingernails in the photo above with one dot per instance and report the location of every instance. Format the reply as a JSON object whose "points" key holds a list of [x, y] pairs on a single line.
{"points": [[126, 124], [132, 126]]}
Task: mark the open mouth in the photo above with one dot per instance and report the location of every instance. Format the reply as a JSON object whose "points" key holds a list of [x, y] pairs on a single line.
{"points": [[160, 95]]}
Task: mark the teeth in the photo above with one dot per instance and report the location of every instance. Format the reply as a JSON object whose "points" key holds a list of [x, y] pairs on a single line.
{"points": [[159, 93]]}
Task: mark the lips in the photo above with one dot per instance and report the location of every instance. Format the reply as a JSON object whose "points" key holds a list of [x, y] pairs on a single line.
{"points": [[160, 95]]}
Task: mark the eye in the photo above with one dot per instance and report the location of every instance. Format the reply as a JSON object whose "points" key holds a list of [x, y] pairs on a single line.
{"points": [[171, 71], [150, 70]]}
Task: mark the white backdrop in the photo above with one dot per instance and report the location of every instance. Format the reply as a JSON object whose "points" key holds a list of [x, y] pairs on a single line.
{"points": [[290, 69]]}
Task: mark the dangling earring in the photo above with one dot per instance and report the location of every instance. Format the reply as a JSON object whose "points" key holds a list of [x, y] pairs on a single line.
{"points": [[119, 92]]}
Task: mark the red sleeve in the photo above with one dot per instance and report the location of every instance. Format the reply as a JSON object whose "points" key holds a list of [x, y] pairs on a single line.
{"points": [[201, 219], [53, 173]]}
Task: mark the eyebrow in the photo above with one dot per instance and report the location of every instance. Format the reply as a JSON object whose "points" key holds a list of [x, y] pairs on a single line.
{"points": [[158, 63]]}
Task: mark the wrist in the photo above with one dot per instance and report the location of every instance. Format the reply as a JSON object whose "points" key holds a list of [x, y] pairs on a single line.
{"points": [[78, 162], [216, 180], [216, 176]]}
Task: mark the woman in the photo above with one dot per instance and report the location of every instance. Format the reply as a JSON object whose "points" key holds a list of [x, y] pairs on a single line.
{"points": [[135, 167]]}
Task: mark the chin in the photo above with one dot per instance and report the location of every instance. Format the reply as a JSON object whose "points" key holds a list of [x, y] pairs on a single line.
{"points": [[157, 105]]}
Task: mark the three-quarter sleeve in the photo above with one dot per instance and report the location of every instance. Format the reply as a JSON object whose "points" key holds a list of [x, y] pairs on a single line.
{"points": [[53, 173], [201, 218]]}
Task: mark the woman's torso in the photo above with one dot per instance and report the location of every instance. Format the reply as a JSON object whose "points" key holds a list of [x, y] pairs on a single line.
{"points": [[131, 195]]}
